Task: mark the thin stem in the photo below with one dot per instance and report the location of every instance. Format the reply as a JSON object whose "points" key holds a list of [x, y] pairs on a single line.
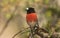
{"points": [[20, 32], [6, 25]]}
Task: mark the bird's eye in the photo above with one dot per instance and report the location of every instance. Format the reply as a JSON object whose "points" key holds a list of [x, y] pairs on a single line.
{"points": [[27, 8]]}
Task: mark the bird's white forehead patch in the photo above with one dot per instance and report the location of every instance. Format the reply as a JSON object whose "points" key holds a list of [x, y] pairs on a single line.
{"points": [[27, 8]]}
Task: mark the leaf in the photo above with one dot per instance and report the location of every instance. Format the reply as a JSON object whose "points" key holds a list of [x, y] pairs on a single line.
{"points": [[46, 1], [8, 15], [48, 14]]}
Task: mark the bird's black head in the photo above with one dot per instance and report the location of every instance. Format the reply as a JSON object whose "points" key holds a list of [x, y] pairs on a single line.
{"points": [[30, 10]]}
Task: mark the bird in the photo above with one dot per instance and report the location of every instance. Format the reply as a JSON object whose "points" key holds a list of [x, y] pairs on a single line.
{"points": [[32, 20]]}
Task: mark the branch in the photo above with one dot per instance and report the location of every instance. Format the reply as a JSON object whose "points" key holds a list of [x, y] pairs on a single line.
{"points": [[42, 32], [21, 32], [6, 25]]}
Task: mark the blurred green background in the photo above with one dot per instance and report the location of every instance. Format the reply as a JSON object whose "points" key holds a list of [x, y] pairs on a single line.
{"points": [[12, 16]]}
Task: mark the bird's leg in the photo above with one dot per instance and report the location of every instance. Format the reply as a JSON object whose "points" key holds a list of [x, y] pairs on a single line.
{"points": [[32, 32]]}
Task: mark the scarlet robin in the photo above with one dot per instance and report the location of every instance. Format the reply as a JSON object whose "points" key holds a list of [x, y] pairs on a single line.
{"points": [[32, 19]]}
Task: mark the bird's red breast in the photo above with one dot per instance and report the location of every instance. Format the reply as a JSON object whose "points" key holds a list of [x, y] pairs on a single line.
{"points": [[31, 17]]}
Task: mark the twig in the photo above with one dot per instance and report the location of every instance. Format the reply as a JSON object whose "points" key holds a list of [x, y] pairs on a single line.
{"points": [[41, 32], [20, 32], [6, 25]]}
